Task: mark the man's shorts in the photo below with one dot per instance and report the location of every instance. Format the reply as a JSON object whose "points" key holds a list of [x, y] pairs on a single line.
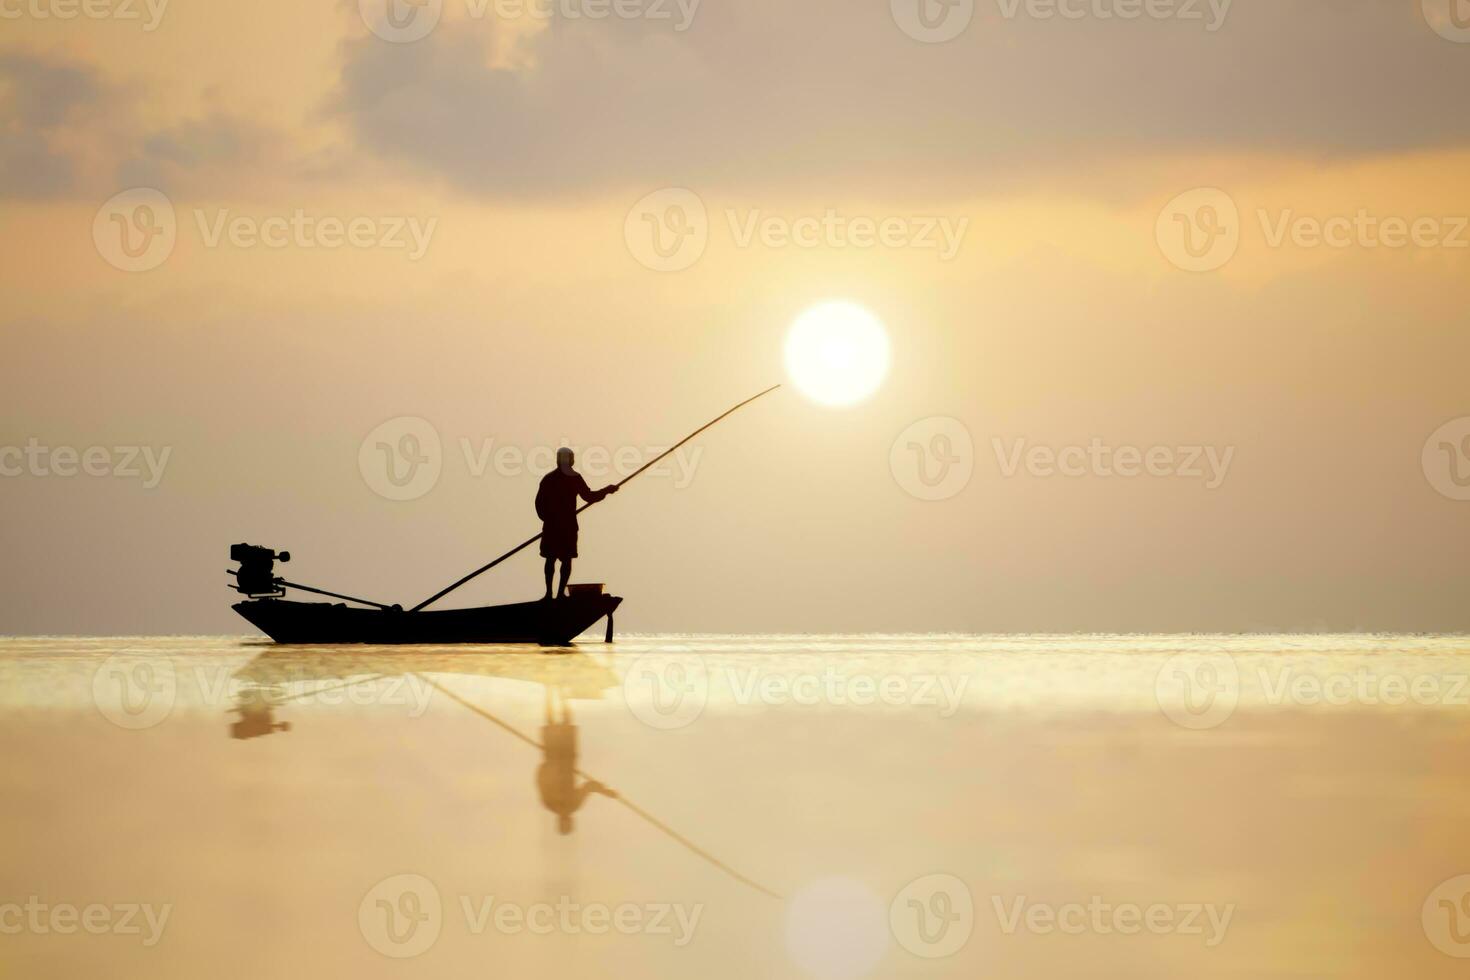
{"points": [[559, 542]]}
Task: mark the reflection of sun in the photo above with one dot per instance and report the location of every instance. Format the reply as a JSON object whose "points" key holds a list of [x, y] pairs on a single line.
{"points": [[837, 353], [836, 929]]}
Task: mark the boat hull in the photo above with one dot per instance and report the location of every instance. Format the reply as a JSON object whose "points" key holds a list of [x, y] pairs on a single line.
{"points": [[554, 623]]}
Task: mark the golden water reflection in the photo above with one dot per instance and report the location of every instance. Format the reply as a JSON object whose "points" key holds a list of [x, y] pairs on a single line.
{"points": [[835, 807]]}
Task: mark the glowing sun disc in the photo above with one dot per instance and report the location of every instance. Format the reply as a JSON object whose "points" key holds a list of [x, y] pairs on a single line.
{"points": [[837, 353]]}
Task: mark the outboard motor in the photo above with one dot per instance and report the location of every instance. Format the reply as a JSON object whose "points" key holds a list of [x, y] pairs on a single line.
{"points": [[256, 575]]}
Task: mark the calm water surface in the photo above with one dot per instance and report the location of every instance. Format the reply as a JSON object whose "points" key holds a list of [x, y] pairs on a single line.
{"points": [[831, 807]]}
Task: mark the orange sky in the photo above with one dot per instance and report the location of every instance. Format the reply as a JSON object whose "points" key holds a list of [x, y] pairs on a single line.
{"points": [[497, 288]]}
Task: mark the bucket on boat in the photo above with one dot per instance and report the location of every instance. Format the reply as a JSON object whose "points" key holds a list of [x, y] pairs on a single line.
{"points": [[585, 589]]}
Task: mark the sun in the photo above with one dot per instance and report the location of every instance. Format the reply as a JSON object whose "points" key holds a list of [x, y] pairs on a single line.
{"points": [[837, 353]]}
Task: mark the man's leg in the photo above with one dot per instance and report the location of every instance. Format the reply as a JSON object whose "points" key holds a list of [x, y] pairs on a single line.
{"points": [[566, 576], [550, 571]]}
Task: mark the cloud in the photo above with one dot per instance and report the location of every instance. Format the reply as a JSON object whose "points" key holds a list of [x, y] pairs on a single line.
{"points": [[203, 155], [766, 91], [70, 132], [42, 103]]}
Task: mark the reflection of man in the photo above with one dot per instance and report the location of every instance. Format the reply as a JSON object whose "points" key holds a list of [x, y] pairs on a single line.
{"points": [[556, 505], [556, 777]]}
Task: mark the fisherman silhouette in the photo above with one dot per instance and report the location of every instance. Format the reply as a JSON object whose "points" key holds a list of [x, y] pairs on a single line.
{"points": [[556, 777], [556, 505]]}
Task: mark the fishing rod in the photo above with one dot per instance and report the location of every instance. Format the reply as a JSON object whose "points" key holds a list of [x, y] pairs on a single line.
{"points": [[530, 541], [334, 595]]}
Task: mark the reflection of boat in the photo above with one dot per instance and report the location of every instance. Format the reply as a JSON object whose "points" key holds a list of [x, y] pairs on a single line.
{"points": [[566, 677], [552, 623], [574, 674], [280, 676]]}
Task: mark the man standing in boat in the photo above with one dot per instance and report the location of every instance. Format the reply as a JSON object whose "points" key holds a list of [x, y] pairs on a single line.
{"points": [[556, 505]]}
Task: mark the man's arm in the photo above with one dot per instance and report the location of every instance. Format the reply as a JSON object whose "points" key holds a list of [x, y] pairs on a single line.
{"points": [[593, 496]]}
